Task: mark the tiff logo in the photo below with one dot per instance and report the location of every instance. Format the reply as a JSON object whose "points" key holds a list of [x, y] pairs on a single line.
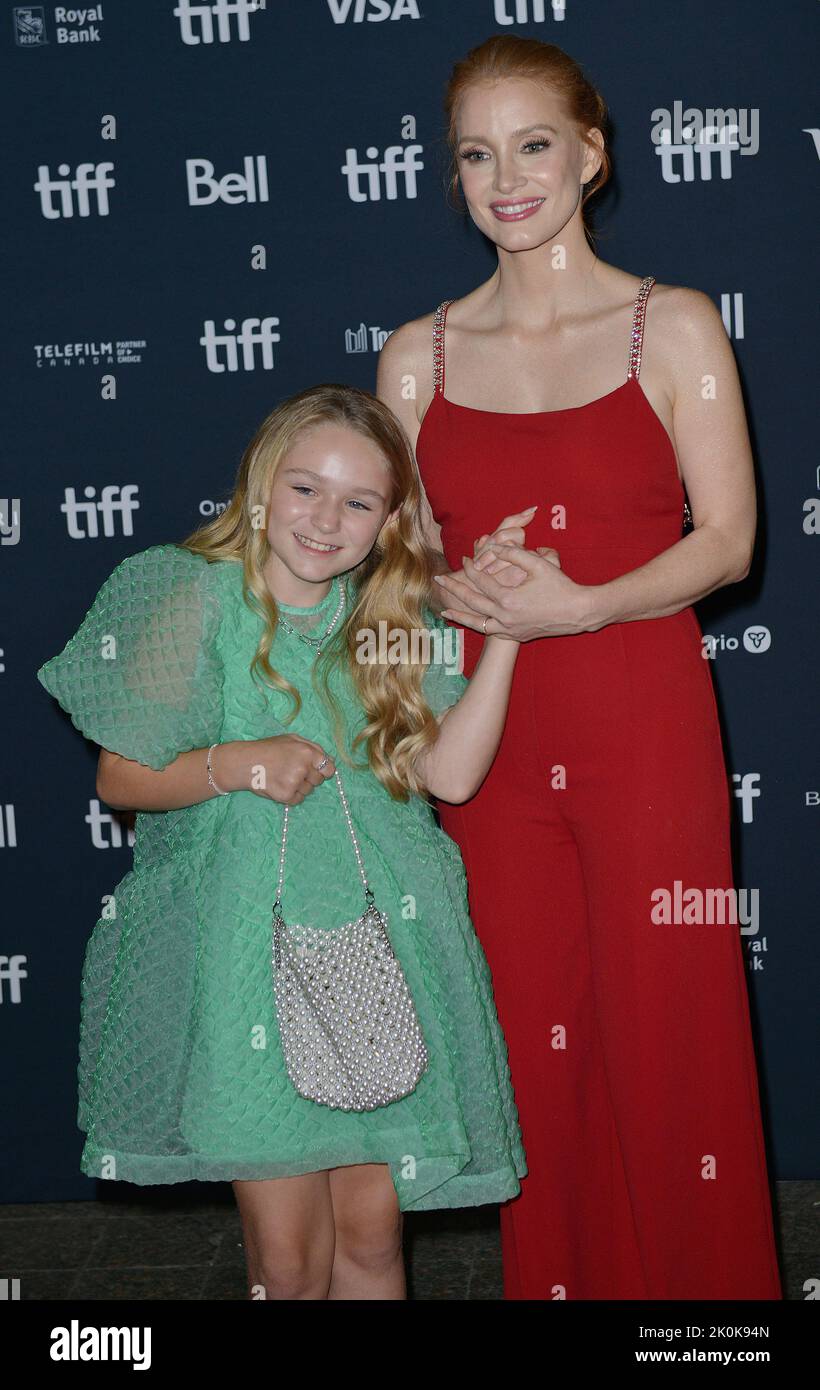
{"points": [[96, 819], [746, 792], [527, 11], [226, 345], [714, 141], [398, 160], [87, 179], [114, 500], [203, 17], [11, 971]]}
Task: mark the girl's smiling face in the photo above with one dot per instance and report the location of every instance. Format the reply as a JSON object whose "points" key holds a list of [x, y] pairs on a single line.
{"points": [[329, 501]]}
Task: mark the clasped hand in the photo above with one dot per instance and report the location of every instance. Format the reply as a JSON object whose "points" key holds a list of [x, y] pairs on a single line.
{"points": [[522, 593]]}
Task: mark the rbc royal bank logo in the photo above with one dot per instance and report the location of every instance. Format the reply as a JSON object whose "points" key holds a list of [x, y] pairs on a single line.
{"points": [[29, 26], [70, 26]]}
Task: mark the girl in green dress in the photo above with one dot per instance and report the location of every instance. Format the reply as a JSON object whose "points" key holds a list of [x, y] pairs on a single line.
{"points": [[226, 678]]}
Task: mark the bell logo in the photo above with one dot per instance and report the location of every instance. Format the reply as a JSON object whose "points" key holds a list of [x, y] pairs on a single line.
{"points": [[251, 186]]}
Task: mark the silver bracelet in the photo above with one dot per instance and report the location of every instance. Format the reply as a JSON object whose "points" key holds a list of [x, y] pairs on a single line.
{"points": [[211, 775]]}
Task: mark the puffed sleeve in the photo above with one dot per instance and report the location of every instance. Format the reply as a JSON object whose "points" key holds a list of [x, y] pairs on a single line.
{"points": [[443, 684], [141, 676]]}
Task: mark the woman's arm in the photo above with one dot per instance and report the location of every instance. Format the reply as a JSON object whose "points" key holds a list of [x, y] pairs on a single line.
{"points": [[470, 730], [712, 440]]}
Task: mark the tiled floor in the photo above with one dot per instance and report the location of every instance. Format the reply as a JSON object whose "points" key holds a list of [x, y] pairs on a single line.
{"points": [[185, 1243]]}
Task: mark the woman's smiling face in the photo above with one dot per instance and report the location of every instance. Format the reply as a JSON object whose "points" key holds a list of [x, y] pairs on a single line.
{"points": [[520, 161]]}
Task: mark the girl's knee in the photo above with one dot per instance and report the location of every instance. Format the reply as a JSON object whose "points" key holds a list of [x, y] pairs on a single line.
{"points": [[291, 1273], [370, 1235]]}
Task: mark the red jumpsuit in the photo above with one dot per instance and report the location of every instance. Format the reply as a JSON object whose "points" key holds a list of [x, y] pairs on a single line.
{"points": [[629, 1040]]}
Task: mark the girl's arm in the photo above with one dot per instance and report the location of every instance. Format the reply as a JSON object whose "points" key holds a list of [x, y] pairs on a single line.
{"points": [[470, 730], [283, 768], [131, 786]]}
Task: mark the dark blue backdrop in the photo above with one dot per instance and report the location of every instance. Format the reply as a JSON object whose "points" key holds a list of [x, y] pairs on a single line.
{"points": [[124, 429]]}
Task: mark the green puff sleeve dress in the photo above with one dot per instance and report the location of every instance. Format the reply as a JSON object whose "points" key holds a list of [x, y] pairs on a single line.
{"points": [[180, 1073]]}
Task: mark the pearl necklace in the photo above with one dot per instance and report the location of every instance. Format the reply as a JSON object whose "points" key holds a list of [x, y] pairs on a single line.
{"points": [[317, 641]]}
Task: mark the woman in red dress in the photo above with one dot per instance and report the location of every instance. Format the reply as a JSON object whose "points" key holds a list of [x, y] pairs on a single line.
{"points": [[598, 396]]}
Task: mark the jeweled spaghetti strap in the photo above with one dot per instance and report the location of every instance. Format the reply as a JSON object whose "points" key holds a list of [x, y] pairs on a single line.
{"points": [[438, 345], [638, 315]]}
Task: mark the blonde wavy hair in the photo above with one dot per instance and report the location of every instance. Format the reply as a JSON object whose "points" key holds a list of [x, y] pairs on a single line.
{"points": [[391, 585]]}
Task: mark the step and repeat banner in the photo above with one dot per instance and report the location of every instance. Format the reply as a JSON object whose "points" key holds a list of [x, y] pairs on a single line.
{"points": [[210, 206]]}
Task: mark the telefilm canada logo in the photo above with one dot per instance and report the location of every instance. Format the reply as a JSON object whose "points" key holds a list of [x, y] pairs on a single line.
{"points": [[110, 352]]}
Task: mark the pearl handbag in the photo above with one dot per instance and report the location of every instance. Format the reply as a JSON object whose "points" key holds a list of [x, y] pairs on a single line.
{"points": [[350, 1034]]}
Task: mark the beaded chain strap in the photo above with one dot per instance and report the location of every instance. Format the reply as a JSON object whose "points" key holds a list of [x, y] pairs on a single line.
{"points": [[635, 346], [438, 345], [638, 315]]}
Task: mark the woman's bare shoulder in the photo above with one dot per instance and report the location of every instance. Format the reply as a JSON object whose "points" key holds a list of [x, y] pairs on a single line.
{"points": [[407, 343], [404, 374], [680, 308], [688, 337]]}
